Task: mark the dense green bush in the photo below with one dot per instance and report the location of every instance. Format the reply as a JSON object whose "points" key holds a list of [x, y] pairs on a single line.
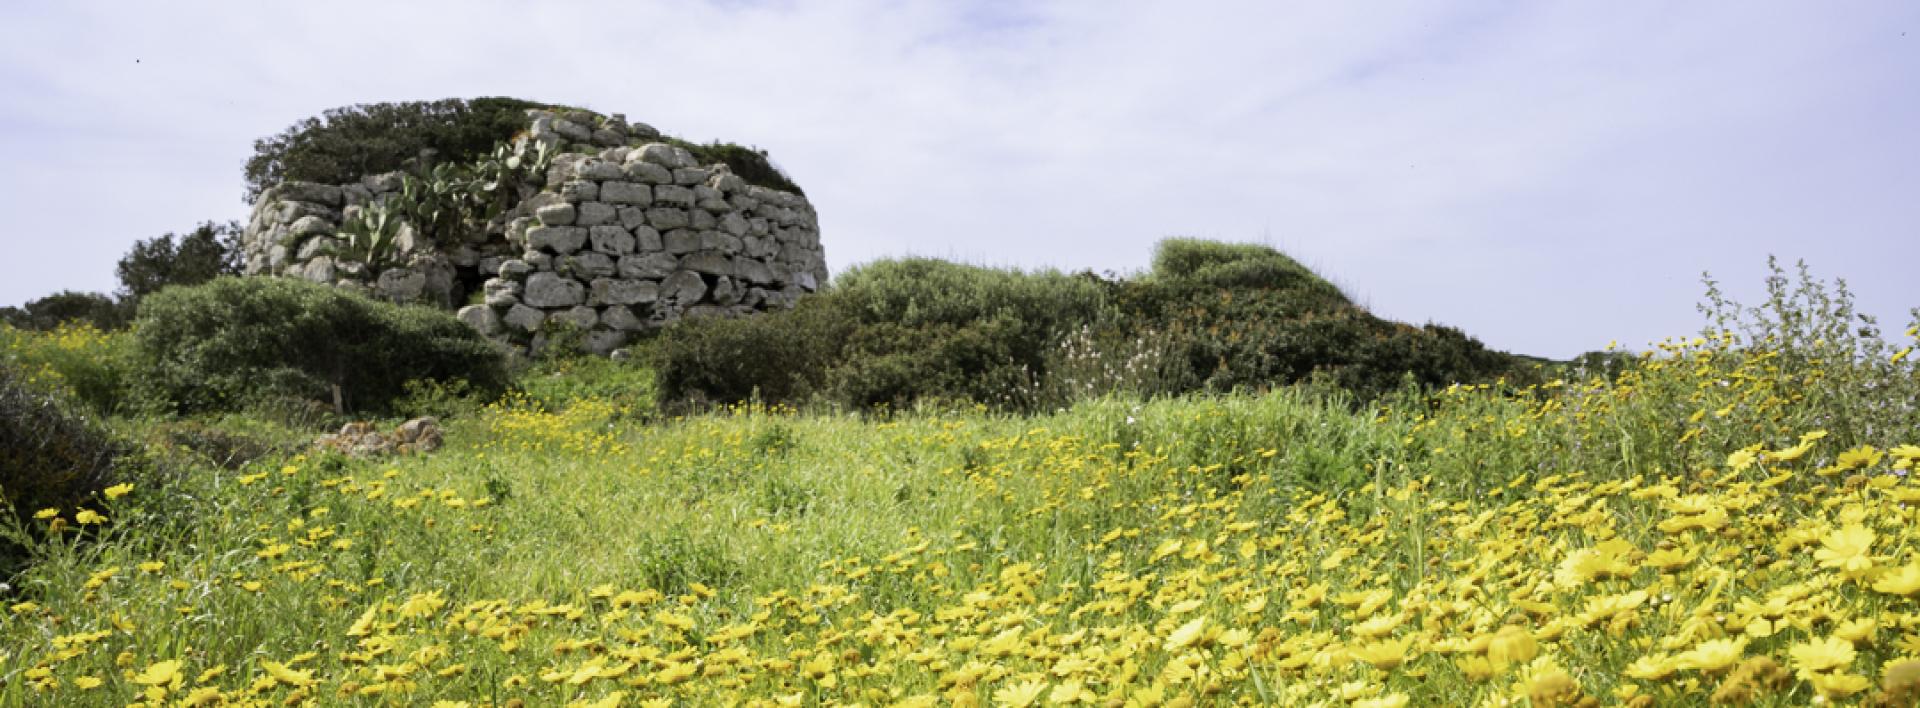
{"points": [[50, 458], [888, 333], [239, 342], [350, 142], [347, 143], [776, 357], [1208, 317], [750, 164], [64, 307]]}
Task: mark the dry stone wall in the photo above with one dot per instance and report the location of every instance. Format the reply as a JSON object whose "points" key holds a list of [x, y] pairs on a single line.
{"points": [[623, 234]]}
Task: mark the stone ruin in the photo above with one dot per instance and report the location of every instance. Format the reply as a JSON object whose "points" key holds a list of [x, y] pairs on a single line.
{"points": [[625, 234]]}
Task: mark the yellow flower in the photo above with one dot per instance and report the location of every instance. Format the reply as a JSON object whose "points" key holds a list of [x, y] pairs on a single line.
{"points": [[45, 514], [1383, 654], [1652, 667], [280, 672], [1512, 645], [1847, 550], [1838, 685], [87, 683], [1182, 637], [1822, 654], [160, 674], [1019, 695], [89, 516], [1904, 580], [1391, 700], [118, 490], [1741, 459], [1713, 655]]}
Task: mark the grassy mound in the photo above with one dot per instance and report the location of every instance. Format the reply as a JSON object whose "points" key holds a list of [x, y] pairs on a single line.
{"points": [[346, 143], [1208, 317]]}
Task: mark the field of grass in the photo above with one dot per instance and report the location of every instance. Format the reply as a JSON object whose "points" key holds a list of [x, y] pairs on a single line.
{"points": [[1723, 521]]}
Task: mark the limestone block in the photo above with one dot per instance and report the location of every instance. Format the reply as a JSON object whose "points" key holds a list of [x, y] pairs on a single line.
{"points": [[580, 316], [482, 319], [619, 192], [690, 176], [702, 220], [514, 269], [572, 131], [317, 246], [401, 284], [673, 195], [549, 290], [562, 214], [720, 241], [611, 239], [666, 155], [580, 191], [727, 183], [596, 213], [621, 317], [606, 136], [610, 291], [588, 265], [683, 288], [648, 172], [680, 241], [752, 271], [709, 262], [319, 270], [600, 170], [524, 318], [309, 226], [652, 266], [646, 239], [560, 239], [666, 219], [733, 224], [632, 216]]}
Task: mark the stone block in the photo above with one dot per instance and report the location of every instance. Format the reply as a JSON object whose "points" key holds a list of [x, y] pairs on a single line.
{"points": [[594, 213], [550, 290], [618, 192], [559, 239], [610, 239]]}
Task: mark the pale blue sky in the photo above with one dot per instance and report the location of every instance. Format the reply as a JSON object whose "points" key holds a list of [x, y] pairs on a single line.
{"points": [[1546, 176]]}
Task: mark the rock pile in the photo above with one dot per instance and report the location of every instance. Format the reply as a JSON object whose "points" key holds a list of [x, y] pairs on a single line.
{"points": [[364, 440], [624, 233]]}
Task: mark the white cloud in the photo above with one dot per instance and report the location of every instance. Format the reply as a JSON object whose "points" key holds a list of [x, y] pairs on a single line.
{"points": [[1546, 176]]}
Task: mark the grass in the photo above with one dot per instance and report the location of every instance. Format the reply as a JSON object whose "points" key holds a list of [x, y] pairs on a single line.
{"points": [[1705, 527]]}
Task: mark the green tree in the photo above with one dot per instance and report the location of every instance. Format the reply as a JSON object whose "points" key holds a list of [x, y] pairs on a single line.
{"points": [[66, 306], [207, 252]]}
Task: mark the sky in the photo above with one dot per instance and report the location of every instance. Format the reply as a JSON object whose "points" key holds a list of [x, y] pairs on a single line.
{"points": [[1548, 177]]}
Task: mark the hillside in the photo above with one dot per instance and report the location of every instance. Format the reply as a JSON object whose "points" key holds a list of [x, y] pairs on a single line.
{"points": [[1724, 521]]}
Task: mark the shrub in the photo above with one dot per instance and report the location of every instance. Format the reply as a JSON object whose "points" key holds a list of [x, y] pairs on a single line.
{"points": [[49, 457], [93, 367], [66, 306], [347, 143], [238, 342], [776, 357], [750, 164], [1209, 317], [350, 142]]}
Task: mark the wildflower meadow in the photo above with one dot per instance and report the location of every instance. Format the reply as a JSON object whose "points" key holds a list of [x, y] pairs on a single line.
{"points": [[1726, 518]]}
